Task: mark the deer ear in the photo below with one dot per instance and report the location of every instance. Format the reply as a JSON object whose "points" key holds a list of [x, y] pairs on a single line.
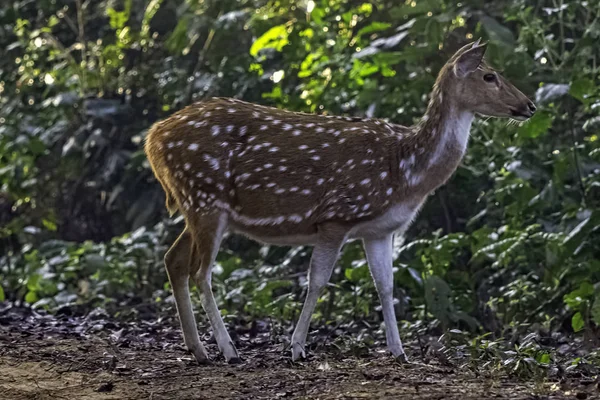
{"points": [[466, 47], [468, 61]]}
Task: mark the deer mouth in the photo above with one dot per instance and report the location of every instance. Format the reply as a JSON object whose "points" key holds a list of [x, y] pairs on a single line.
{"points": [[525, 112], [520, 115]]}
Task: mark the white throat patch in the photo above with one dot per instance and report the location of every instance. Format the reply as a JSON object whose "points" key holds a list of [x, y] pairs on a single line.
{"points": [[455, 133]]}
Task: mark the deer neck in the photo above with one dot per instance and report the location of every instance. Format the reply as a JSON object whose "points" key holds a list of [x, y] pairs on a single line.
{"points": [[445, 126], [439, 142]]}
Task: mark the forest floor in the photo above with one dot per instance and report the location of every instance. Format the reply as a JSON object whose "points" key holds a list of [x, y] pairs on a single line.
{"points": [[96, 357]]}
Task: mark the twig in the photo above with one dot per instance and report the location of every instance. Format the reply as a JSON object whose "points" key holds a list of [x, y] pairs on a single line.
{"points": [[560, 293], [576, 155], [446, 211], [200, 62], [81, 34], [71, 366], [421, 347]]}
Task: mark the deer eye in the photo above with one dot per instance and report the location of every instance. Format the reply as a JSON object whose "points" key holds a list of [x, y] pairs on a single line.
{"points": [[489, 77]]}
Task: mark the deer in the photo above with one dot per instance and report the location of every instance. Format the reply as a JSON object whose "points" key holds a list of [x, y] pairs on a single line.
{"points": [[300, 179]]}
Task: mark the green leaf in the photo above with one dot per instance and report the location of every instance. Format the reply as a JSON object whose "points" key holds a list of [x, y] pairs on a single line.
{"points": [[118, 19], [50, 225], [2, 296], [497, 32], [178, 40], [37, 147], [365, 8], [544, 358], [538, 125], [579, 234], [150, 12], [348, 274], [596, 309], [373, 27], [357, 274], [33, 282], [437, 296], [582, 89], [275, 38], [415, 8], [577, 322], [578, 296], [31, 297]]}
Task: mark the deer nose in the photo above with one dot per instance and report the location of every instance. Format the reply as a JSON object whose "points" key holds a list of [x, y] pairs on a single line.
{"points": [[531, 106]]}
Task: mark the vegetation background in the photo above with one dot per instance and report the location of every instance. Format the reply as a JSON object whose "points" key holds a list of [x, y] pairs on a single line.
{"points": [[503, 262]]}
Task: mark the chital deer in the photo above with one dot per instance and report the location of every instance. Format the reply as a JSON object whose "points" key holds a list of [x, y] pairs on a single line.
{"points": [[299, 179]]}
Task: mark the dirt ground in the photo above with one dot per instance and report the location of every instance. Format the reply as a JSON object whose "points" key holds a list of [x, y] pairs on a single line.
{"points": [[65, 357]]}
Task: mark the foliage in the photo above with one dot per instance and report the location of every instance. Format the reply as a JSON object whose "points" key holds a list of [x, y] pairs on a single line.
{"points": [[507, 247]]}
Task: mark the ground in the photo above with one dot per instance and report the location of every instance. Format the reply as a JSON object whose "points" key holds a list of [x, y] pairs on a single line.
{"points": [[97, 357]]}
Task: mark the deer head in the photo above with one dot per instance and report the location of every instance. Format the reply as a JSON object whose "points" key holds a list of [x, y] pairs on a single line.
{"points": [[478, 88]]}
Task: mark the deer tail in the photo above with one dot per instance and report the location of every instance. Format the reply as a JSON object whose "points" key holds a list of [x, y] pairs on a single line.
{"points": [[158, 169], [170, 201]]}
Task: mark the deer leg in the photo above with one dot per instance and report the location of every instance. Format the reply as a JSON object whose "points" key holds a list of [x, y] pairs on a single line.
{"points": [[208, 240], [324, 256], [379, 257], [177, 263]]}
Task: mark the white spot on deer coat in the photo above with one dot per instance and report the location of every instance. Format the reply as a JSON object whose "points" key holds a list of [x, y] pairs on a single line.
{"points": [[295, 218], [214, 163]]}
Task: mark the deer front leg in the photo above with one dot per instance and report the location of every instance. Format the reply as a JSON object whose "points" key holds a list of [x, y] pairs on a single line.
{"points": [[324, 256], [379, 257]]}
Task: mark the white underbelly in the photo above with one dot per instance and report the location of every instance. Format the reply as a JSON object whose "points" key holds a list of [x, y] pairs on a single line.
{"points": [[279, 240], [397, 218]]}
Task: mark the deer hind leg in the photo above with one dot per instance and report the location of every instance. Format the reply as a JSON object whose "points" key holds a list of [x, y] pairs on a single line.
{"points": [[379, 257], [324, 256], [207, 238], [178, 264]]}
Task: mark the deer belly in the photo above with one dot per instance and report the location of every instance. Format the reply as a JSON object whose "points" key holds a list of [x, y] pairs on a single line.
{"points": [[277, 235], [396, 218]]}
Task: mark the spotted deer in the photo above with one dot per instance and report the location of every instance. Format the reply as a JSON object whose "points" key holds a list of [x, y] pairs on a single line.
{"points": [[289, 178]]}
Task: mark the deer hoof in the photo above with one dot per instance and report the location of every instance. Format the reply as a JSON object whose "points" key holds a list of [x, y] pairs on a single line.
{"points": [[231, 354], [298, 351], [401, 358], [201, 359], [199, 353]]}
